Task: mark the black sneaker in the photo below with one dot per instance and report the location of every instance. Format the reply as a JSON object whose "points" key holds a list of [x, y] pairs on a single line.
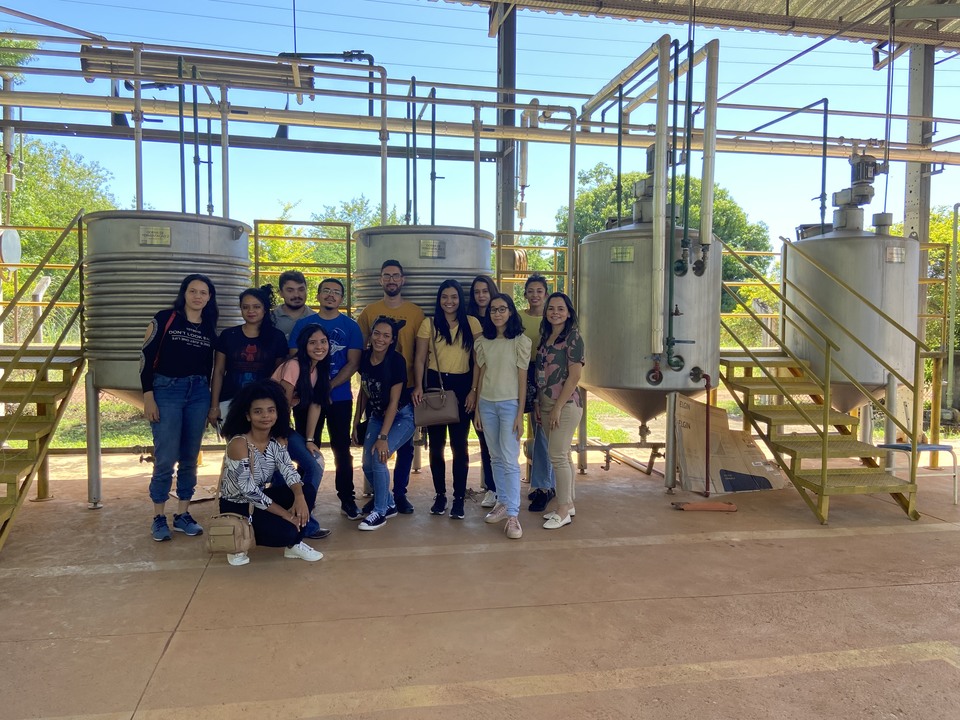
{"points": [[391, 511], [367, 508], [540, 500], [532, 494], [403, 505], [439, 505], [319, 534], [456, 510], [351, 511], [373, 521]]}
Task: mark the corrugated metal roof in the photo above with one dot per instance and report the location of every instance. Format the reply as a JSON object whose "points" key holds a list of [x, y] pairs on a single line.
{"points": [[866, 20]]}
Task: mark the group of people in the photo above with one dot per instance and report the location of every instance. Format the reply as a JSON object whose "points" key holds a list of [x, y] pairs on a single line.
{"points": [[501, 364]]}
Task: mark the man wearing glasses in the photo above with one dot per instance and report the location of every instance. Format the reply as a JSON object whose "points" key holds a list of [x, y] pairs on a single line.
{"points": [[395, 307], [346, 343]]}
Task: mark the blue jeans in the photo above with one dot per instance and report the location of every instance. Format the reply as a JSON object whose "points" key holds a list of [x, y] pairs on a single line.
{"points": [[375, 469], [309, 471], [498, 419], [183, 404], [541, 469]]}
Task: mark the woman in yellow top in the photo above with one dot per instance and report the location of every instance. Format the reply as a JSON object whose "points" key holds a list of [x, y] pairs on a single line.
{"points": [[447, 355]]}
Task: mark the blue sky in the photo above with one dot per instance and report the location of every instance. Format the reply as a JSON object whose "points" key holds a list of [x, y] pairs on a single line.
{"points": [[441, 42]]}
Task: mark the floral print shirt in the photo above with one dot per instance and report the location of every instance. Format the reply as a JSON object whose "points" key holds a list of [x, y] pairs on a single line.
{"points": [[553, 365]]}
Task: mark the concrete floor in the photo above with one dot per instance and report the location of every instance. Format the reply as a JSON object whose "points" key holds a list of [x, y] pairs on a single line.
{"points": [[633, 611]]}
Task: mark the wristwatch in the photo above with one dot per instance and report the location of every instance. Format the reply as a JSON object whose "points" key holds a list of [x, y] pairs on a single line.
{"points": [[381, 437]]}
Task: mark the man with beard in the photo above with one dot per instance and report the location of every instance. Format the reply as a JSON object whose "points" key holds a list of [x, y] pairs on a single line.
{"points": [[293, 290], [346, 343], [396, 308]]}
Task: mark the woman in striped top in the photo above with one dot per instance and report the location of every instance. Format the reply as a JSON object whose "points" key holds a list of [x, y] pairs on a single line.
{"points": [[258, 425]]}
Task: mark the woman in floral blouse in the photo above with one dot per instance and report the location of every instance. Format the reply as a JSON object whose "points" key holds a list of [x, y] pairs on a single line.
{"points": [[559, 407]]}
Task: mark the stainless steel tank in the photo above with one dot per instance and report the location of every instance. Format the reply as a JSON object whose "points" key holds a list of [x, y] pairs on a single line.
{"points": [[429, 254], [615, 304], [134, 265], [883, 268]]}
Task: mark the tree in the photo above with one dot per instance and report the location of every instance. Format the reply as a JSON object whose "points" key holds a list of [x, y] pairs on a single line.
{"points": [[596, 201]]}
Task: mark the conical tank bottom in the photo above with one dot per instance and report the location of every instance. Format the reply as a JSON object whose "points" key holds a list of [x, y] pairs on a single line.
{"points": [[846, 397], [643, 404]]}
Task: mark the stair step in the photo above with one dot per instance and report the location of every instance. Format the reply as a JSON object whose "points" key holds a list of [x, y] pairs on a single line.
{"points": [[789, 415], [14, 467], [47, 391], [771, 361], [27, 427], [852, 482], [838, 446], [67, 357], [764, 386]]}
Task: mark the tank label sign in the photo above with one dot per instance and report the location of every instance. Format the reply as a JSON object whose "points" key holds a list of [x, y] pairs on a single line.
{"points": [[896, 254], [433, 249], [621, 254], [155, 236]]}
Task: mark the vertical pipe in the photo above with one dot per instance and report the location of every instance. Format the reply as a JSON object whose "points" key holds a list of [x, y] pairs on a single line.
{"points": [[866, 423], [889, 429], [413, 115], [660, 194], [619, 153], [138, 125], [709, 143], [209, 167], [433, 162], [670, 451], [476, 166], [406, 171], [94, 472], [384, 136], [181, 97], [823, 169], [225, 150], [952, 290], [687, 144], [572, 259], [196, 141]]}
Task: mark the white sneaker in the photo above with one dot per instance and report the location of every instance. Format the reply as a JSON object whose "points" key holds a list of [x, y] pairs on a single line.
{"points": [[304, 552], [498, 513], [237, 559], [489, 500]]}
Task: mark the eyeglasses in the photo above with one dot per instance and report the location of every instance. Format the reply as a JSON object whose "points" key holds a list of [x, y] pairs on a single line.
{"points": [[391, 276], [499, 310], [334, 292]]}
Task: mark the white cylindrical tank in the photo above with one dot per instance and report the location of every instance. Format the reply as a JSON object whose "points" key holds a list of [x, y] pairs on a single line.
{"points": [[883, 268], [429, 254], [134, 264], [615, 301]]}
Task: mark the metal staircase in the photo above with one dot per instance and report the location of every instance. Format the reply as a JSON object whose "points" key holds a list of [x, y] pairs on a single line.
{"points": [[788, 406], [38, 377]]}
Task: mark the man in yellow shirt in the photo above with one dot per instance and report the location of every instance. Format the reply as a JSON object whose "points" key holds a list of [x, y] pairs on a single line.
{"points": [[396, 308]]}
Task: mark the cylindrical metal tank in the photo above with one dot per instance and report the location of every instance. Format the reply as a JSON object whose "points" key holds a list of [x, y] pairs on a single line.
{"points": [[615, 305], [134, 264], [884, 269], [429, 254]]}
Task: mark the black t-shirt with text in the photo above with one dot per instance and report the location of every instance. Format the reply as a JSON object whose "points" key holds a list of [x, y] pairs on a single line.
{"points": [[377, 381]]}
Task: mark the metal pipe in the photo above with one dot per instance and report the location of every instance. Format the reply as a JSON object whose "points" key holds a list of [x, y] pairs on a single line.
{"points": [[138, 128], [476, 166], [952, 289], [681, 70], [619, 153], [225, 151], [889, 430], [433, 164], [572, 260], [687, 143], [384, 136], [708, 166], [660, 192], [209, 162], [94, 468], [623, 76], [670, 451], [413, 136], [181, 98], [196, 140]]}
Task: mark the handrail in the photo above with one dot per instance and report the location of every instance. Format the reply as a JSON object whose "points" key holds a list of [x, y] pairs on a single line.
{"points": [[12, 303]]}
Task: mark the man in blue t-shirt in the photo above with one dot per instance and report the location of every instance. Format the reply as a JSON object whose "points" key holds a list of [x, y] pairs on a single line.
{"points": [[346, 342]]}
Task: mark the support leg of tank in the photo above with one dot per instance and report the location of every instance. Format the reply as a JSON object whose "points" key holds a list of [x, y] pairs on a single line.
{"points": [[93, 443], [670, 457], [582, 437]]}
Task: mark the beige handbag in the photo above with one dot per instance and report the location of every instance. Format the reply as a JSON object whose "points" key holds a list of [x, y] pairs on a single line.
{"points": [[230, 532], [439, 406]]}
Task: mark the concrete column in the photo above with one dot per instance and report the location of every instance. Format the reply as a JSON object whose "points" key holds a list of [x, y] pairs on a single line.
{"points": [[506, 149]]}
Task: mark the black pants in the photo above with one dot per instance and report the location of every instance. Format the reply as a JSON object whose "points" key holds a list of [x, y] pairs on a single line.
{"points": [[486, 463], [339, 420], [272, 530], [437, 436]]}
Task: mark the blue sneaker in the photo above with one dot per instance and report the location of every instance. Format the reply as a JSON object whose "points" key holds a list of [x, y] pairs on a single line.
{"points": [[373, 521], [186, 524], [160, 529]]}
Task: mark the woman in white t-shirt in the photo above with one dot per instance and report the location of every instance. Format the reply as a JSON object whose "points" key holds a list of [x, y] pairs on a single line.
{"points": [[503, 354]]}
